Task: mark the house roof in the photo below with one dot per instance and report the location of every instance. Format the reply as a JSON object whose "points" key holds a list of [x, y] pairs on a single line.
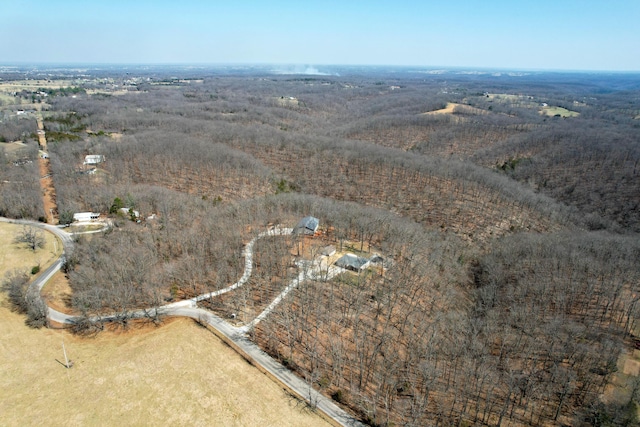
{"points": [[328, 250], [93, 158], [307, 223], [352, 261]]}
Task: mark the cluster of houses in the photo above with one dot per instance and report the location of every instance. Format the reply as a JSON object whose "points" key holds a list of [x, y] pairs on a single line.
{"points": [[308, 226]]}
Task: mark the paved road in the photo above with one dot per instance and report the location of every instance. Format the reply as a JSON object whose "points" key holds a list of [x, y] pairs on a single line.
{"points": [[234, 336], [39, 282], [267, 364]]}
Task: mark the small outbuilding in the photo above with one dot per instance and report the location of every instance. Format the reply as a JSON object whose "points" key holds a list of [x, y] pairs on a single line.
{"points": [[352, 262], [307, 226], [328, 250]]}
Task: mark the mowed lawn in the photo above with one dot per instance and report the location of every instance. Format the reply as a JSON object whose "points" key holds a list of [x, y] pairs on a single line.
{"points": [[176, 374]]}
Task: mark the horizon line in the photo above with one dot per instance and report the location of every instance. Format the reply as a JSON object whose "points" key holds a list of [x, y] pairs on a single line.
{"points": [[70, 64]]}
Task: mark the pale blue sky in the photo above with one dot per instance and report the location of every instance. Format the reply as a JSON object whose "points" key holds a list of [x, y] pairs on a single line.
{"points": [[540, 34]]}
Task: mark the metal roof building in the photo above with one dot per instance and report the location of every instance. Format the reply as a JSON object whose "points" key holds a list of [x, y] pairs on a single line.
{"points": [[307, 225], [352, 262]]}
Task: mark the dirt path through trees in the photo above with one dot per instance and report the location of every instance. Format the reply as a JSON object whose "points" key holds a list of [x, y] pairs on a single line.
{"points": [[46, 181]]}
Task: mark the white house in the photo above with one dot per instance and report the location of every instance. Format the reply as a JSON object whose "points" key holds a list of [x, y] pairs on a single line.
{"points": [[85, 216], [93, 159]]}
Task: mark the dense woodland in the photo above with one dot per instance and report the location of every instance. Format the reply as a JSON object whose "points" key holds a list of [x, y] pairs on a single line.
{"points": [[506, 209]]}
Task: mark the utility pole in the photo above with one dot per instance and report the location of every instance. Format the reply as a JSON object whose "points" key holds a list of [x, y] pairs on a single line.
{"points": [[66, 359]]}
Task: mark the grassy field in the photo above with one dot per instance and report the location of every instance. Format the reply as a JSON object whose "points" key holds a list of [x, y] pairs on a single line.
{"points": [[17, 255], [558, 111], [177, 374], [18, 85], [15, 149], [6, 99]]}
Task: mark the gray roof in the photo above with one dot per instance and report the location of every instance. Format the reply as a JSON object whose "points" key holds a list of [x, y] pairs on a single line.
{"points": [[328, 250], [352, 261], [307, 225]]}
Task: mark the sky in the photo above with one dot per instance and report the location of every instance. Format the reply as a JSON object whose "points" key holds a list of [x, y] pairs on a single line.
{"points": [[590, 35]]}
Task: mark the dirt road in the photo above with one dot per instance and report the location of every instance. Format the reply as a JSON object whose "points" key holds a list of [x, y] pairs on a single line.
{"points": [[46, 180]]}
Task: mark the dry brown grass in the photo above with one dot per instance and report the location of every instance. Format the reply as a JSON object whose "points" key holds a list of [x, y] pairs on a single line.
{"points": [[18, 256], [57, 293], [177, 374], [17, 85], [621, 384], [13, 149]]}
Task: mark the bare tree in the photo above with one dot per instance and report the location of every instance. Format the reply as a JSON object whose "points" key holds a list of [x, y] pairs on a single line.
{"points": [[33, 238], [25, 300]]}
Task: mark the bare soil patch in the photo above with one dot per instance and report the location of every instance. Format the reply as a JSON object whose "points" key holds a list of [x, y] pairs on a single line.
{"points": [[453, 108], [48, 191]]}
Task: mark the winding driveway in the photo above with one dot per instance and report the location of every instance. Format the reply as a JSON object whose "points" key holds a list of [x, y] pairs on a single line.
{"points": [[236, 337]]}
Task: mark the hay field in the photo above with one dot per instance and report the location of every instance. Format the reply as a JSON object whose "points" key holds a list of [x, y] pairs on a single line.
{"points": [[176, 374], [18, 85], [558, 111]]}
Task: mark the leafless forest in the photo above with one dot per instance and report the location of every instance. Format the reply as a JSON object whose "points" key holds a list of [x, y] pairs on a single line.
{"points": [[506, 209]]}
